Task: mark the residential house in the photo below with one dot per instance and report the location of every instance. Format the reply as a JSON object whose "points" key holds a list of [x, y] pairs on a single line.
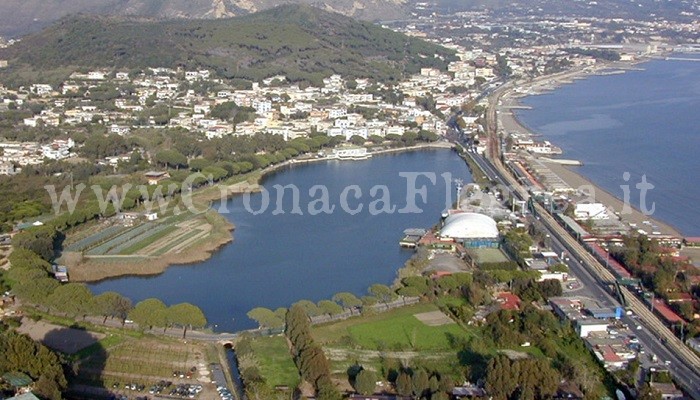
{"points": [[119, 129], [155, 177], [41, 89], [7, 168], [668, 391]]}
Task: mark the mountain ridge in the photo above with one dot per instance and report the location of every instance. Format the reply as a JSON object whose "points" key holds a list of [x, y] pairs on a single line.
{"points": [[19, 17], [301, 42]]}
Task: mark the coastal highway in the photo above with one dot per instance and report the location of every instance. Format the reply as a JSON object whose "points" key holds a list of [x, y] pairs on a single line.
{"points": [[592, 288], [595, 287], [655, 336]]}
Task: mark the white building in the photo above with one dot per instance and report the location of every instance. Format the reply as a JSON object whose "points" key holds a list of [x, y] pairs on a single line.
{"points": [[7, 168], [262, 107], [471, 229], [595, 211], [119, 129], [586, 326], [96, 75], [337, 113], [41, 89]]}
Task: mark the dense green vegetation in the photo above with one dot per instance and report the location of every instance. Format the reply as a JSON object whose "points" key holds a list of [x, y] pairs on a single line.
{"points": [[421, 349], [301, 42], [647, 260], [21, 354], [30, 279], [601, 54]]}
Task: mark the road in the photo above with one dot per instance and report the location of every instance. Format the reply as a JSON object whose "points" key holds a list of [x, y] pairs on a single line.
{"points": [[170, 332], [684, 364]]}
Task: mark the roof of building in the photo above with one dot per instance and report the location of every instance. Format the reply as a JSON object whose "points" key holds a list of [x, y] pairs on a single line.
{"points": [[666, 312], [17, 379], [609, 354], [666, 388], [24, 396], [508, 301], [155, 174], [605, 257], [469, 226]]}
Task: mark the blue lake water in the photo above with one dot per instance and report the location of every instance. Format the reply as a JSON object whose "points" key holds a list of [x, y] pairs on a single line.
{"points": [[642, 122], [276, 260]]}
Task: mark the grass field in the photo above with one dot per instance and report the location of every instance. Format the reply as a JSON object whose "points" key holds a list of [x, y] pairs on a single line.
{"points": [[274, 361], [394, 330], [486, 255]]}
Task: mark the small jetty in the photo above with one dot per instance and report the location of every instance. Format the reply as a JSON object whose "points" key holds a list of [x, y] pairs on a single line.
{"points": [[562, 161], [518, 107], [411, 237], [682, 59]]}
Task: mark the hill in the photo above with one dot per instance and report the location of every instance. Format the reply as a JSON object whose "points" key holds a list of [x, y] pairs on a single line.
{"points": [[20, 17], [301, 42]]}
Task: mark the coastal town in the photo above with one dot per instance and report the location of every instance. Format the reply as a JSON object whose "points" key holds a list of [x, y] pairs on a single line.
{"points": [[531, 264]]}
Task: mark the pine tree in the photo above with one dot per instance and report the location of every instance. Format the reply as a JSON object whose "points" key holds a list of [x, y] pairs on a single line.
{"points": [[421, 383], [365, 382], [404, 385]]}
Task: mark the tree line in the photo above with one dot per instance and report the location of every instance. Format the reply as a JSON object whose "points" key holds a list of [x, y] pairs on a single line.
{"points": [[31, 281], [308, 356]]}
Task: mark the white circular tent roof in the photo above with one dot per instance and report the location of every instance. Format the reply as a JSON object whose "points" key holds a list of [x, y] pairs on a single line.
{"points": [[469, 226]]}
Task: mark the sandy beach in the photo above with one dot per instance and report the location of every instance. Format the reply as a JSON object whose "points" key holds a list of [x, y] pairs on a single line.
{"points": [[508, 122]]}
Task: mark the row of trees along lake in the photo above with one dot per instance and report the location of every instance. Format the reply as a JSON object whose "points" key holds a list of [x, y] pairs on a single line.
{"points": [[179, 152], [31, 283]]}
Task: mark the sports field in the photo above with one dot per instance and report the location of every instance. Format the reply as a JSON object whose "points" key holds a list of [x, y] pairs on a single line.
{"points": [[416, 328], [488, 255]]}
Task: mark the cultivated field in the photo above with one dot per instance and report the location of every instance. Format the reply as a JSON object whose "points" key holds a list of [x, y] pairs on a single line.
{"points": [[117, 247], [117, 363], [137, 237]]}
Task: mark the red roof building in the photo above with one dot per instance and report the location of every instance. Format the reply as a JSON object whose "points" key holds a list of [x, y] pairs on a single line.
{"points": [[605, 258], [609, 354], [666, 313], [692, 241], [508, 301]]}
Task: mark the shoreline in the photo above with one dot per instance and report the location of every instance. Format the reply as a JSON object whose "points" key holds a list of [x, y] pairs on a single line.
{"points": [[508, 120], [94, 270], [264, 173]]}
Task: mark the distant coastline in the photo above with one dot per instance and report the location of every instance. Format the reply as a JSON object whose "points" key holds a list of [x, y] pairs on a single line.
{"points": [[510, 119]]}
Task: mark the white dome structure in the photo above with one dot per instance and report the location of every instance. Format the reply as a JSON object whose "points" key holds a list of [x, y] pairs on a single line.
{"points": [[469, 226]]}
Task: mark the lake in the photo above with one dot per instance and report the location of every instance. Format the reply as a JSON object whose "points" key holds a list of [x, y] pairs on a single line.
{"points": [[279, 257]]}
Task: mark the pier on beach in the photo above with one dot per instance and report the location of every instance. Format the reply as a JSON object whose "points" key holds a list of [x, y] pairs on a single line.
{"points": [[682, 59]]}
